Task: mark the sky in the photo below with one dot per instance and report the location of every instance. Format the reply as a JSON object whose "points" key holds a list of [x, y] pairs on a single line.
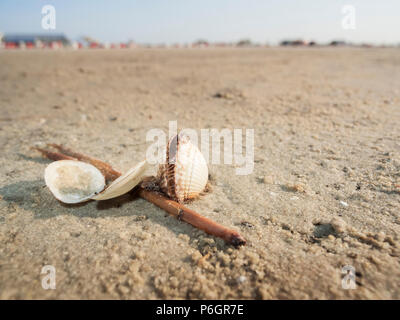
{"points": [[184, 21]]}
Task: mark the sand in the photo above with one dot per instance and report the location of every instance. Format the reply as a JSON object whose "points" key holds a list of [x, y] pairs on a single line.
{"points": [[323, 194]]}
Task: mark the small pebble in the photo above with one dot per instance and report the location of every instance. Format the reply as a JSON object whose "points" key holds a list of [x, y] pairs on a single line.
{"points": [[344, 204], [339, 225], [241, 279], [296, 188]]}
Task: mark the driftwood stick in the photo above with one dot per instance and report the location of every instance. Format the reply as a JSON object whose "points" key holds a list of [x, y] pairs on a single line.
{"points": [[182, 213], [53, 155], [109, 173], [172, 207]]}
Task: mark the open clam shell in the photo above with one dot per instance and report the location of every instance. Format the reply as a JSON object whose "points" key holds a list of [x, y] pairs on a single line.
{"points": [[72, 181], [185, 174], [124, 183]]}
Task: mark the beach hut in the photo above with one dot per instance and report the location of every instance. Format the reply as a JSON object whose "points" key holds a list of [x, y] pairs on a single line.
{"points": [[29, 41]]}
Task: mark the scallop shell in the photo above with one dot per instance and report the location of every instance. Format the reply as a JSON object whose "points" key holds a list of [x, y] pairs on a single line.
{"points": [[185, 174], [73, 181]]}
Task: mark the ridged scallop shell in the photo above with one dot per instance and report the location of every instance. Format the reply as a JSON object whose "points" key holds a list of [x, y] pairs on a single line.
{"points": [[185, 174], [73, 181]]}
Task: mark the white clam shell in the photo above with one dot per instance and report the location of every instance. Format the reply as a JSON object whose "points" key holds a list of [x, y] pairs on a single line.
{"points": [[185, 174], [124, 183], [73, 181]]}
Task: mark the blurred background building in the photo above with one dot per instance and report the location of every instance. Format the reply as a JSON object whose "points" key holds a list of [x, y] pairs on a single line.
{"points": [[54, 41]]}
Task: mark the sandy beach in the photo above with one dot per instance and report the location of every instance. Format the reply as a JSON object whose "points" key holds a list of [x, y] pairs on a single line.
{"points": [[324, 193]]}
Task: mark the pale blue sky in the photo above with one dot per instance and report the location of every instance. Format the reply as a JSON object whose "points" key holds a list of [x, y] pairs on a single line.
{"points": [[169, 21]]}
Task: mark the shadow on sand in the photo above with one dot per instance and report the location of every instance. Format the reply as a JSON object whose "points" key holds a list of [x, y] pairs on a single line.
{"points": [[35, 197]]}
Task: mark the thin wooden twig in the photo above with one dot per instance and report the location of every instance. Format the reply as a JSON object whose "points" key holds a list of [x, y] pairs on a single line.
{"points": [[53, 155], [109, 173], [172, 207], [195, 219]]}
